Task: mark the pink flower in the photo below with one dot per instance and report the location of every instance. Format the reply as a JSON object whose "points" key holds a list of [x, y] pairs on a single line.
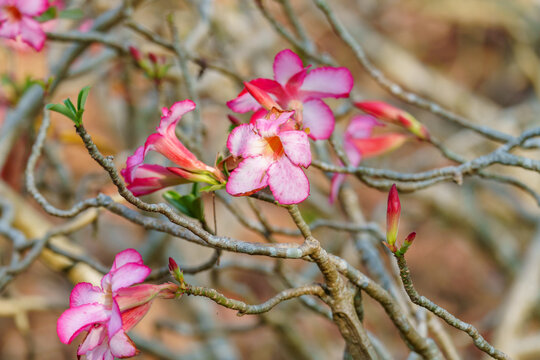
{"points": [[272, 155], [109, 311], [296, 88], [146, 178], [391, 114], [17, 21], [359, 144]]}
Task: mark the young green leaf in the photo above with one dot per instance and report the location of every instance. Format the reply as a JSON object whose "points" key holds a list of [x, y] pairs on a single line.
{"points": [[83, 95], [70, 106], [59, 108]]}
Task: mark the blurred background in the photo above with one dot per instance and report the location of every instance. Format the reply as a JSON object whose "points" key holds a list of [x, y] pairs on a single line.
{"points": [[479, 58]]}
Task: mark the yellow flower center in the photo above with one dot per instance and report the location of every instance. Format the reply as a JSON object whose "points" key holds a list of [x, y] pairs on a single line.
{"points": [[274, 147]]}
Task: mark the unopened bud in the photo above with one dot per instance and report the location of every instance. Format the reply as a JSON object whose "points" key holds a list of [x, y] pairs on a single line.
{"points": [[393, 213], [153, 58], [391, 114], [135, 53], [175, 271]]}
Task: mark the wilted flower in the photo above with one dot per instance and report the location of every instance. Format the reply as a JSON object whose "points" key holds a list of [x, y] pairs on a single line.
{"points": [[146, 178], [391, 114], [300, 89], [359, 144], [109, 311], [273, 155], [17, 21]]}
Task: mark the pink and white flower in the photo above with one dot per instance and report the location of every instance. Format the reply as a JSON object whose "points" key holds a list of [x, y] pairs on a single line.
{"points": [[297, 88], [17, 21], [359, 144], [146, 178], [109, 311], [273, 155]]}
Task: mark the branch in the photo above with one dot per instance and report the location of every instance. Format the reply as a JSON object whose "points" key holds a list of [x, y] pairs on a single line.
{"points": [[244, 308], [450, 319]]}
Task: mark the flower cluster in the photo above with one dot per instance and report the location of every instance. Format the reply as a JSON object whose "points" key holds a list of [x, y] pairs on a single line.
{"points": [[17, 21], [273, 148], [109, 311]]}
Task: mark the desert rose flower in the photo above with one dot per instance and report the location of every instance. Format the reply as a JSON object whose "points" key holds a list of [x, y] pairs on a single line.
{"points": [[17, 21], [297, 88], [146, 178], [391, 114], [359, 144], [273, 155], [109, 311]]}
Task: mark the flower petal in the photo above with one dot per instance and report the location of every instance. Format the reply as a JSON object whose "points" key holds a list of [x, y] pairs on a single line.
{"points": [[361, 126], [327, 82], [128, 275], [286, 64], [319, 119], [243, 141], [296, 146], [122, 346], [244, 102], [379, 145], [9, 29], [148, 178], [249, 177], [171, 116], [115, 321], [74, 320], [101, 352], [32, 7], [337, 181], [85, 293], [127, 256], [131, 317], [268, 127], [32, 34], [93, 339], [287, 182]]}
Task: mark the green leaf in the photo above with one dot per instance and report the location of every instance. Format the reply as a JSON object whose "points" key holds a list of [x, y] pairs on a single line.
{"points": [[81, 100], [70, 106], [74, 14], [48, 15], [190, 204], [59, 108], [211, 188]]}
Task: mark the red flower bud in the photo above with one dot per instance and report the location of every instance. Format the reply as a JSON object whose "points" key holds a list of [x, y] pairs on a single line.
{"points": [[153, 58], [393, 213], [173, 266], [135, 53]]}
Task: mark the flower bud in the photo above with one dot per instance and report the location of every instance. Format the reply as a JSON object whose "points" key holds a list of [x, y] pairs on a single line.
{"points": [[135, 53], [391, 114], [175, 271], [393, 212]]}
